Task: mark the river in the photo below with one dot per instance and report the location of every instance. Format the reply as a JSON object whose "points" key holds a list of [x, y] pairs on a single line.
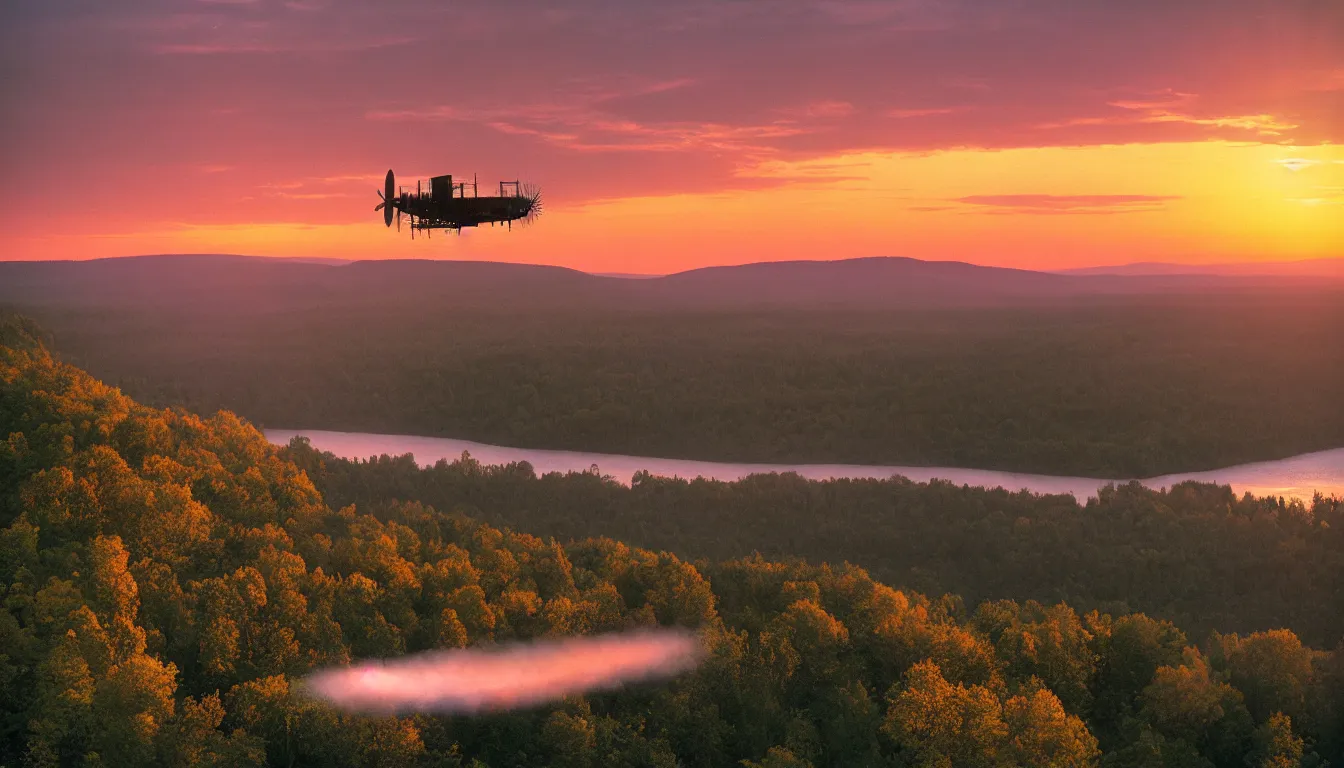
{"points": [[1295, 477]]}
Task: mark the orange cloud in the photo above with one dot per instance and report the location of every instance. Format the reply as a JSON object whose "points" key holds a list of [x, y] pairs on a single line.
{"points": [[1159, 110], [1074, 204]]}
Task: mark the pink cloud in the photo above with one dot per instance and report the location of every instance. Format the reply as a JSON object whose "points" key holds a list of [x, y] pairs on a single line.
{"points": [[906, 113], [824, 109], [312, 195], [1161, 100], [244, 47], [1324, 81], [581, 123]]}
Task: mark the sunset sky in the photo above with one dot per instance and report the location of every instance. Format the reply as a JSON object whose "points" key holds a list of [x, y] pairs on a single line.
{"points": [[671, 135]]}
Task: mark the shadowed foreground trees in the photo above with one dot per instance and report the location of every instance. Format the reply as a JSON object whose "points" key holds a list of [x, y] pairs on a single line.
{"points": [[167, 578]]}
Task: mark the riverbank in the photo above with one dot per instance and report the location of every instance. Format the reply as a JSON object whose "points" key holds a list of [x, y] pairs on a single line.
{"points": [[1295, 477]]}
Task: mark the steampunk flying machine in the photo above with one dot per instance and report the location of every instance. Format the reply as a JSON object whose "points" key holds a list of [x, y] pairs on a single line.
{"points": [[447, 205]]}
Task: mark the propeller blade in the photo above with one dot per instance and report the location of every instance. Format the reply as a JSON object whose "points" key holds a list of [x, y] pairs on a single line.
{"points": [[379, 206]]}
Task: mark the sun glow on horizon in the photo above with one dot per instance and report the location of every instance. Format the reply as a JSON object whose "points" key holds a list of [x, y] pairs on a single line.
{"points": [[1044, 207]]}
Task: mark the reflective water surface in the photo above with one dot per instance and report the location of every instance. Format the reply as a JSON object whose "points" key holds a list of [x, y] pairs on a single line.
{"points": [[1298, 476]]}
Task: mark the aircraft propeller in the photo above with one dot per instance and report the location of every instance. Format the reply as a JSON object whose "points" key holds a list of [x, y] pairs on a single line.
{"points": [[389, 202]]}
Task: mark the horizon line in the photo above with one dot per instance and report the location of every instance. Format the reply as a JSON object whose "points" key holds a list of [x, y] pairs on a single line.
{"points": [[1165, 267]]}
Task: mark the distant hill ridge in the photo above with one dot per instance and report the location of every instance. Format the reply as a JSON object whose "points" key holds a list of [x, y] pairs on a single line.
{"points": [[217, 281], [1305, 267]]}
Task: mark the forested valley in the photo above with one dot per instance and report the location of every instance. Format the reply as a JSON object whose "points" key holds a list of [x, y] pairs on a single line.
{"points": [[1195, 554], [1124, 387], [168, 577]]}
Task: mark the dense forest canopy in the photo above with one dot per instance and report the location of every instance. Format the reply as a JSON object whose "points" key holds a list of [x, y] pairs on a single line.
{"points": [[1123, 387], [1194, 554], [168, 577]]}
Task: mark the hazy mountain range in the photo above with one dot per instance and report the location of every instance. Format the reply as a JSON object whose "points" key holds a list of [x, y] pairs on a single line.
{"points": [[213, 281]]}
